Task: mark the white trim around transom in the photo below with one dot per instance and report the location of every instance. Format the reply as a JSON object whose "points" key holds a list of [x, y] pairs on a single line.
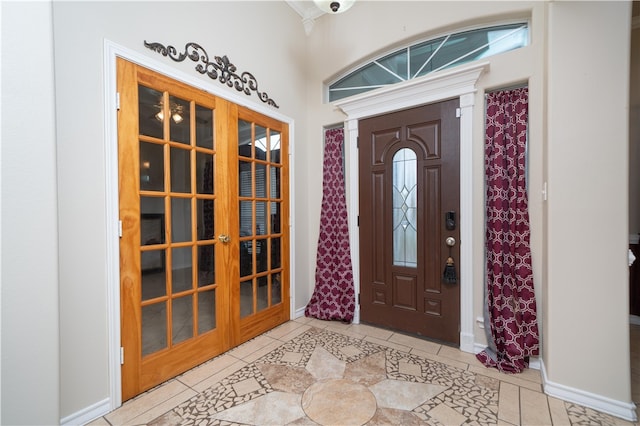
{"points": [[448, 84]]}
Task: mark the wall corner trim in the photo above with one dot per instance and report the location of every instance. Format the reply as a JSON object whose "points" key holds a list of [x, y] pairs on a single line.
{"points": [[624, 410], [88, 414]]}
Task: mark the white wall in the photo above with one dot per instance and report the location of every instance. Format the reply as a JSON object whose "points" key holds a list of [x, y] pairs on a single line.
{"points": [[30, 374], [587, 325], [264, 38], [634, 127]]}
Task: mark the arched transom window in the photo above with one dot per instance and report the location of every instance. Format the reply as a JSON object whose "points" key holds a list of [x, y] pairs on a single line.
{"points": [[429, 56]]}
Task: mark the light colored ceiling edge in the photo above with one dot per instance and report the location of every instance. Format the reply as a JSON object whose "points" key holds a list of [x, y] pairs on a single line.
{"points": [[308, 11]]}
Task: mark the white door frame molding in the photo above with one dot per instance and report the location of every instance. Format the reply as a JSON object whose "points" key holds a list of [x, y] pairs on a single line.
{"points": [[455, 83], [111, 52]]}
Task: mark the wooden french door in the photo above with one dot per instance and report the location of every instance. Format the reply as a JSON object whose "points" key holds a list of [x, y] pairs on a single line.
{"points": [[203, 195], [409, 211]]}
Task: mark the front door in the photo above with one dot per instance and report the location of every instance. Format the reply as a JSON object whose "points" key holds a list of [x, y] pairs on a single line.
{"points": [[204, 243], [409, 214]]}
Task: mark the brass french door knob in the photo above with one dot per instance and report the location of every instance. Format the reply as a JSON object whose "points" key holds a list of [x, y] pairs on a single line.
{"points": [[224, 238]]}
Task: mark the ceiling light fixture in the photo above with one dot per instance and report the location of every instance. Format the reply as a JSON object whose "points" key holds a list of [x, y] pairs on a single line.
{"points": [[332, 7]]}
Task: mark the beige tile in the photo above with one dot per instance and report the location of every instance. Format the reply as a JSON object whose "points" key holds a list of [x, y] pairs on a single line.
{"points": [[100, 421], [338, 326], [458, 355], [415, 343], [404, 395], [246, 349], [314, 322], [558, 411], [447, 416], [262, 351], [212, 380], [162, 408], [367, 330], [447, 361], [509, 378], [206, 370], [246, 386], [284, 329], [531, 375], [534, 408], [143, 403], [509, 403], [272, 409], [388, 344], [323, 365], [295, 333]]}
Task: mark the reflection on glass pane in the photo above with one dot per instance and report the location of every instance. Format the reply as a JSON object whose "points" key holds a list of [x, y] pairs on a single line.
{"points": [[421, 55], [246, 258], [206, 311], [244, 138], [276, 256], [204, 173], [152, 230], [181, 269], [275, 218], [263, 293], [405, 208], [206, 265], [261, 256], [261, 180], [274, 146], [276, 289], [154, 328], [246, 218], [180, 120], [151, 167], [180, 219], [245, 179], [262, 218], [180, 170], [204, 127], [205, 219], [150, 111], [154, 274], [261, 142], [396, 63], [182, 319], [275, 182], [246, 298]]}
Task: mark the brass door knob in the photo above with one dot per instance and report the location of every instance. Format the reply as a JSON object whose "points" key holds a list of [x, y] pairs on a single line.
{"points": [[224, 238]]}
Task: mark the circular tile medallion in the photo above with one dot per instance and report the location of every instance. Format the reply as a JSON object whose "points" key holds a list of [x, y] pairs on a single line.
{"points": [[339, 401]]}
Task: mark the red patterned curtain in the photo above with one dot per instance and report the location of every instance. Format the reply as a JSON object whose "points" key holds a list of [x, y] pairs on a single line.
{"points": [[334, 295], [510, 297]]}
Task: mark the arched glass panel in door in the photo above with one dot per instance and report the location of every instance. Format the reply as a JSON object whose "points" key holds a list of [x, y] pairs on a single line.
{"points": [[405, 208]]}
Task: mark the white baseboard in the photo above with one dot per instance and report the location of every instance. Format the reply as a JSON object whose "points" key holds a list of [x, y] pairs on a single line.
{"points": [[624, 410], [88, 414], [299, 313]]}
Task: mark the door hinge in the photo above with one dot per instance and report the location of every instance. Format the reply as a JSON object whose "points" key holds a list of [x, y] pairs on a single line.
{"points": [[121, 355], [458, 112], [120, 228], [358, 142], [358, 220], [358, 298], [117, 101]]}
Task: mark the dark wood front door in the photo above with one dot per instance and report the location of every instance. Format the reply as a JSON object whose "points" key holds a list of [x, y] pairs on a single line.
{"points": [[409, 187]]}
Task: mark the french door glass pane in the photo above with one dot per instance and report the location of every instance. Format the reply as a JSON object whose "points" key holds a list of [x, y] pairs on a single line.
{"points": [[205, 219], [180, 219], [244, 139], [151, 167], [180, 170], [206, 311], [261, 180], [152, 226], [204, 127], [260, 144], [246, 258], [181, 269], [246, 179], [179, 120], [262, 293], [262, 218], [246, 298], [206, 265], [274, 146], [154, 274], [246, 218], [149, 112], [276, 289], [204, 173], [182, 319], [276, 256], [154, 328]]}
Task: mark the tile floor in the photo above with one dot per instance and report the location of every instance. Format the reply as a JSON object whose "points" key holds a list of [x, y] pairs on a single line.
{"points": [[311, 372]]}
